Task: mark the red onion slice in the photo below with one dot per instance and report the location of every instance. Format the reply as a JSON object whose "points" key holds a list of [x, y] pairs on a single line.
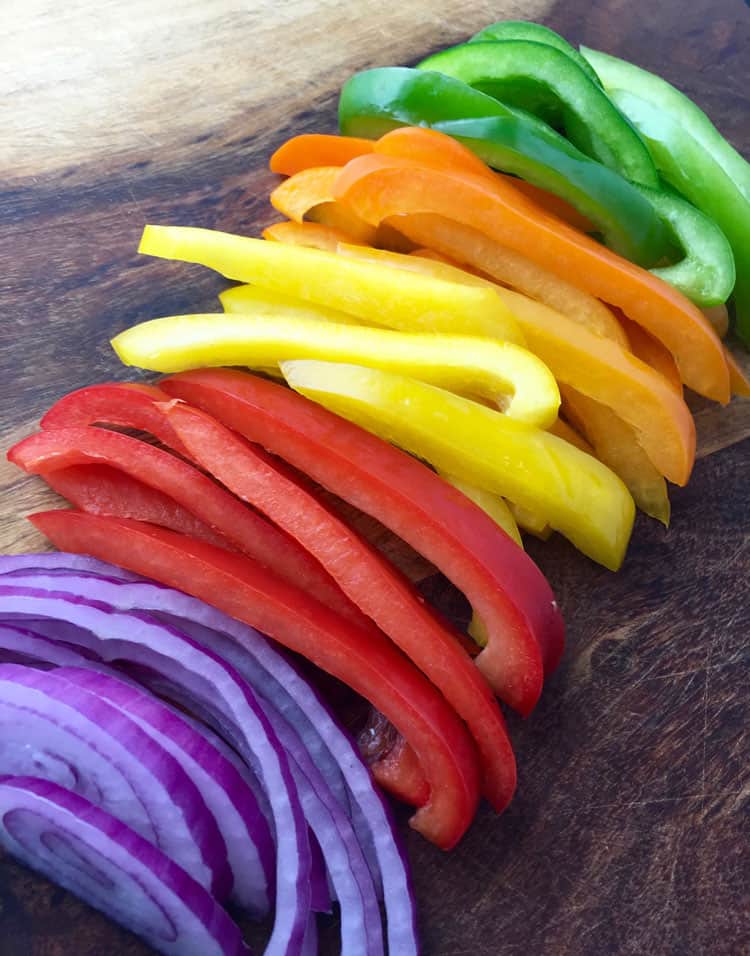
{"points": [[53, 730], [226, 793], [212, 685], [19, 645], [276, 680], [113, 869]]}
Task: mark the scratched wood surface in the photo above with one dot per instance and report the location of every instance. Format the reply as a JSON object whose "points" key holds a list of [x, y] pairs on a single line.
{"points": [[629, 831]]}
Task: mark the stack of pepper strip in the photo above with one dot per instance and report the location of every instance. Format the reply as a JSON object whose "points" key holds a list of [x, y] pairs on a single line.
{"points": [[616, 142]]}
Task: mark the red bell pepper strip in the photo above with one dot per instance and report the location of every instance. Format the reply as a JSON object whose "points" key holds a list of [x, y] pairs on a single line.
{"points": [[56, 448], [102, 490], [126, 404], [366, 661], [503, 585], [368, 579]]}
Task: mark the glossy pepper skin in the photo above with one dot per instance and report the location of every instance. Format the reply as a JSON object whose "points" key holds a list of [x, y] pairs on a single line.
{"points": [[594, 364], [536, 33], [367, 290], [243, 529], [574, 492], [372, 667], [699, 177], [545, 82], [501, 372], [376, 101], [379, 187], [502, 583], [368, 579]]}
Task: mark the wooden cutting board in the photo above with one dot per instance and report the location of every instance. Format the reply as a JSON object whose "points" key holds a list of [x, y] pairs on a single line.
{"points": [[629, 832]]}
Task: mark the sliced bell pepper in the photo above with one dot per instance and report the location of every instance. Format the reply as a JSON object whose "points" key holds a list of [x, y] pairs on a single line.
{"points": [[499, 580], [315, 235], [379, 294], [554, 204], [577, 495], [652, 352], [399, 772], [595, 366], [546, 82], [566, 431], [316, 149], [493, 505], [519, 272], [718, 316], [536, 33], [512, 377], [423, 145], [739, 381], [706, 272], [308, 193], [61, 447], [370, 582], [379, 187], [691, 155], [103, 490], [376, 101], [244, 299], [615, 444], [372, 666], [498, 510], [530, 522]]}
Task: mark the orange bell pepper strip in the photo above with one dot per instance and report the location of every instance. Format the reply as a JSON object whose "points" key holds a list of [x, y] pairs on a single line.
{"points": [[310, 193], [566, 431], [616, 445], [738, 380], [555, 205], [523, 274], [592, 364], [652, 352], [428, 147], [317, 149], [718, 316], [377, 187], [432, 148], [314, 235]]}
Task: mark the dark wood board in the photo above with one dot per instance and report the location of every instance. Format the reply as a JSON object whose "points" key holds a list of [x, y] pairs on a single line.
{"points": [[629, 832]]}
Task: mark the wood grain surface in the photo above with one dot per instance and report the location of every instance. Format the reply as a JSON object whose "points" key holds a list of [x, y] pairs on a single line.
{"points": [[629, 832]]}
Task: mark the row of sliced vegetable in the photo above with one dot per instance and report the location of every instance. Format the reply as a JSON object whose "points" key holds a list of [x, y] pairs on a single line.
{"points": [[530, 376]]}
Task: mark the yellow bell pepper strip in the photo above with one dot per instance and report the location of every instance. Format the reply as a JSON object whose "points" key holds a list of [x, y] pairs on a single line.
{"points": [[500, 513], [378, 187], [577, 495], [379, 294], [616, 445], [595, 366], [493, 505], [514, 379], [251, 299], [315, 235], [309, 193], [521, 273], [530, 522], [317, 149]]}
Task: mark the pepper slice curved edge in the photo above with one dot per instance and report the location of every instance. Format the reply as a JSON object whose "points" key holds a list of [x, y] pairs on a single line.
{"points": [[374, 668], [501, 582]]}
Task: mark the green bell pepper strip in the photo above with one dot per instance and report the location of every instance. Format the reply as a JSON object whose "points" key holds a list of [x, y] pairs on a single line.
{"points": [[543, 80], [691, 155], [706, 273], [616, 74], [376, 101], [525, 30]]}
